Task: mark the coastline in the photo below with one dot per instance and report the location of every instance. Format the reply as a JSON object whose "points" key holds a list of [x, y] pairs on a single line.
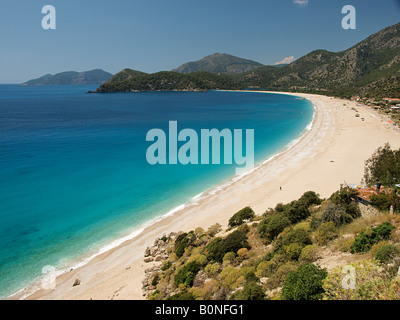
{"points": [[118, 272]]}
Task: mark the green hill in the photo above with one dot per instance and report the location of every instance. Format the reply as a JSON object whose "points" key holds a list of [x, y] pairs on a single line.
{"points": [[96, 76], [370, 68], [343, 73], [219, 63], [131, 81]]}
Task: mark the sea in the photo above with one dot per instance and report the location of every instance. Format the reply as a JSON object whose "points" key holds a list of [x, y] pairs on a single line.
{"points": [[74, 177]]}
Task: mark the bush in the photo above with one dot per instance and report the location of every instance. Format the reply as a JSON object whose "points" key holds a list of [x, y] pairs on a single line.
{"points": [[218, 247], [304, 284], [182, 296], [229, 256], [279, 276], [309, 198], [371, 283], [293, 251], [386, 253], [296, 211], [265, 269], [342, 208], [251, 291], [182, 242], [309, 254], [270, 227], [212, 269], [186, 274], [299, 236], [335, 213], [325, 233], [381, 201], [367, 238], [239, 217]]}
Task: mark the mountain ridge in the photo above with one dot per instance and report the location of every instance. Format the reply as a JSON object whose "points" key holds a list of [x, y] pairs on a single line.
{"points": [[365, 68], [219, 63], [95, 76]]}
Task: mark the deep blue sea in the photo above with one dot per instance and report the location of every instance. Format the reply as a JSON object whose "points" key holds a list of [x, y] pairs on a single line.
{"points": [[73, 169]]}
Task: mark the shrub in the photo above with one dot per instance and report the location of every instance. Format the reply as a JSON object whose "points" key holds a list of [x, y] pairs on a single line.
{"points": [[155, 281], [367, 238], [344, 243], [229, 276], [372, 283], [166, 265], [304, 284], [228, 257], [386, 253], [279, 276], [212, 269], [242, 253], [346, 208], [265, 269], [218, 247], [299, 236], [251, 291], [182, 242], [309, 253], [325, 233], [384, 230], [309, 198], [296, 211], [270, 227], [335, 213], [293, 251], [213, 230], [239, 217], [182, 296], [186, 274]]}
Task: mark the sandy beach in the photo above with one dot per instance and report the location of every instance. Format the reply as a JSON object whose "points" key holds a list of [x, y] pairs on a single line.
{"points": [[331, 153]]}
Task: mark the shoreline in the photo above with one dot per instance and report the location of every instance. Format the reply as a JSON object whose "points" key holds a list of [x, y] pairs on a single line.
{"points": [[105, 276], [138, 230]]}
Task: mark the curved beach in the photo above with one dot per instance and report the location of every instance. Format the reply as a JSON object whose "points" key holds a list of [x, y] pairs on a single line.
{"points": [[331, 153]]}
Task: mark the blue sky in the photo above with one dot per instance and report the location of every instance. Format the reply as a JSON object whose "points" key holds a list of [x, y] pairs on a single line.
{"points": [[155, 35]]}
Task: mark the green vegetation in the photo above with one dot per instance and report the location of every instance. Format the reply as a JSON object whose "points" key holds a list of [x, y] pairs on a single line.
{"points": [[383, 166], [386, 253], [367, 238], [241, 216], [166, 81], [217, 249], [96, 76], [279, 254], [304, 284], [219, 63], [369, 69]]}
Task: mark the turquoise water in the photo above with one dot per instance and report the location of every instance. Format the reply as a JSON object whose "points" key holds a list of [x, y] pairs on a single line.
{"points": [[73, 169]]}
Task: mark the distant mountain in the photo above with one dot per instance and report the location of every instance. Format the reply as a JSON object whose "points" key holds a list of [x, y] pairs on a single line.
{"points": [[363, 68], [371, 68], [131, 81], [219, 63], [97, 76]]}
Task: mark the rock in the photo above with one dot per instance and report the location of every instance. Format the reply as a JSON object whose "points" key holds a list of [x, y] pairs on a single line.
{"points": [[147, 252], [76, 283], [148, 259], [159, 258], [199, 279]]}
